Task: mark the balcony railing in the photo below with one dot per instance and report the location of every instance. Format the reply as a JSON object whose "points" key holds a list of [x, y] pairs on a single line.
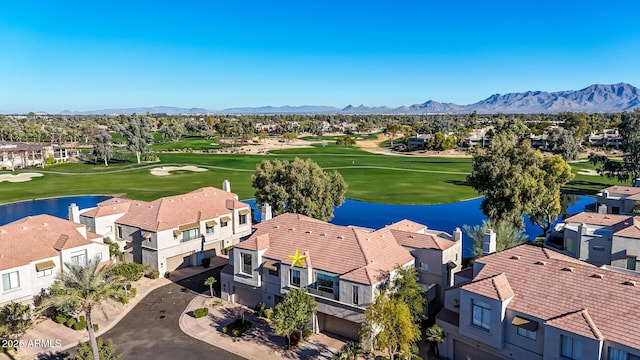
{"points": [[322, 293]]}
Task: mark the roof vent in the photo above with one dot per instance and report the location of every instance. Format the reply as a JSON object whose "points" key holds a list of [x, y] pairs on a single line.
{"points": [[340, 237], [597, 276], [630, 283], [309, 232], [45, 224], [25, 228], [567, 268], [3, 231], [515, 257], [172, 200], [540, 263], [323, 234], [411, 236], [292, 229], [276, 226]]}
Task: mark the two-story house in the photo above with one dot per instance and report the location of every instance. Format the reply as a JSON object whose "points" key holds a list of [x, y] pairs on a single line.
{"points": [[173, 231], [344, 266], [599, 239], [33, 250], [617, 199], [529, 302]]}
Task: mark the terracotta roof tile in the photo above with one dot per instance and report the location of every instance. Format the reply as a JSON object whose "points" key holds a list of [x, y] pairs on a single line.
{"points": [[495, 287], [407, 225], [37, 237], [630, 231], [578, 322], [547, 292], [618, 190], [596, 219], [421, 241], [352, 253]]}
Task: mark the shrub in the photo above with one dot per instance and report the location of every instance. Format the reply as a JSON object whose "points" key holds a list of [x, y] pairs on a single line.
{"points": [[167, 274], [133, 292], [124, 300], [105, 349], [60, 319], [153, 274], [206, 262], [130, 271], [259, 309], [237, 327], [268, 313], [95, 327], [82, 318], [80, 325], [69, 323], [236, 333], [201, 312], [224, 329], [306, 333]]}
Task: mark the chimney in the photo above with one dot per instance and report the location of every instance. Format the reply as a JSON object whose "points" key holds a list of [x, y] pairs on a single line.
{"points": [[489, 243], [605, 194], [265, 213], [226, 186], [74, 213], [457, 235], [602, 209]]}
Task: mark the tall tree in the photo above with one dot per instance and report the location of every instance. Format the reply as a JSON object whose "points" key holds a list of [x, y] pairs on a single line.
{"points": [[562, 141], [630, 142], [391, 131], [435, 335], [293, 313], [298, 186], [138, 133], [388, 326], [88, 286], [209, 282], [405, 289], [102, 146], [507, 236], [556, 173]]}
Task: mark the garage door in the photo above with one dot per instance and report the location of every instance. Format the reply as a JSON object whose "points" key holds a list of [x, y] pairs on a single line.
{"points": [[246, 297], [462, 351], [177, 262], [339, 326]]}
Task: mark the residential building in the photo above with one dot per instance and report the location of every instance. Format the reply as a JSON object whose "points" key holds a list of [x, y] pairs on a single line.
{"points": [[344, 266], [529, 302], [33, 250], [418, 141], [599, 239], [173, 231], [19, 155], [617, 199], [607, 138], [479, 137]]}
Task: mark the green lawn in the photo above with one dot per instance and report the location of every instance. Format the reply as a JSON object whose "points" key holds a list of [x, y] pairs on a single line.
{"points": [[188, 142], [371, 177]]}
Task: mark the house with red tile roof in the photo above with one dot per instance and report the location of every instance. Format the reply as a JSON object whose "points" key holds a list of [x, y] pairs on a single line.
{"points": [[529, 302], [33, 250], [599, 239], [617, 199], [342, 268], [171, 232]]}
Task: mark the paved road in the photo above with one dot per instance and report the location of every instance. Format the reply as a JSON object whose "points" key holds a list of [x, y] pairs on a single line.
{"points": [[151, 330]]}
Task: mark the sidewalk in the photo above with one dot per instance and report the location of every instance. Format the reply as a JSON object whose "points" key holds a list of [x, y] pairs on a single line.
{"points": [[258, 343], [49, 337]]}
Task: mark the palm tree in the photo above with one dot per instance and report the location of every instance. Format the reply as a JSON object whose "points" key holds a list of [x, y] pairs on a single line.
{"points": [[89, 287], [435, 335], [210, 281], [352, 349]]}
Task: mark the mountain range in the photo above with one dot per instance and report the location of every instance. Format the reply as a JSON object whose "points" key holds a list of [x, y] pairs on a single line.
{"points": [[595, 98]]}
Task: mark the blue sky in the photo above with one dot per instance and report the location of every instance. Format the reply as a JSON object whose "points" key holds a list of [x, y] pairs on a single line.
{"points": [[82, 55]]}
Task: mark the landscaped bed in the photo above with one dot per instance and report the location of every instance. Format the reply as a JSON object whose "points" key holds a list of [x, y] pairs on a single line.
{"points": [[237, 327]]}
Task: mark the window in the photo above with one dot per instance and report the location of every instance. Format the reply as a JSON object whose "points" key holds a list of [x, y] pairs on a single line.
{"points": [[324, 282], [10, 281], [79, 257], [209, 229], [570, 348], [526, 333], [247, 259], [189, 234], [481, 314], [615, 354], [356, 299], [598, 247], [243, 219], [424, 267], [119, 232], [294, 277], [224, 223], [43, 273], [631, 262]]}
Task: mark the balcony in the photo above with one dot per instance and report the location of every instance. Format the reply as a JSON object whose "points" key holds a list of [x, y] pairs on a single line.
{"points": [[322, 292]]}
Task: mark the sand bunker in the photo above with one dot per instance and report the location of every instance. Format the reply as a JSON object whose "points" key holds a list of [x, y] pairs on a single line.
{"points": [[22, 177], [588, 172], [166, 170]]}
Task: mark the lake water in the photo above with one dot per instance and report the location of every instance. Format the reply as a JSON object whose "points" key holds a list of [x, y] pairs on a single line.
{"points": [[444, 217]]}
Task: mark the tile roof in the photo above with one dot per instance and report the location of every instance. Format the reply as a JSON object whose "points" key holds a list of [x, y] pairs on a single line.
{"points": [[618, 190], [108, 207], [354, 254], [38, 237], [495, 287], [635, 197], [421, 241], [596, 219], [171, 211], [632, 230], [549, 285], [578, 322], [407, 225]]}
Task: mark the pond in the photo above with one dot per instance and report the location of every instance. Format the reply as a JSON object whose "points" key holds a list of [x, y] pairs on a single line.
{"points": [[444, 217]]}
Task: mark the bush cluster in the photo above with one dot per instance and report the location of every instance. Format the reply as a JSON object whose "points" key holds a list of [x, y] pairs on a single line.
{"points": [[237, 327], [201, 312], [152, 274]]}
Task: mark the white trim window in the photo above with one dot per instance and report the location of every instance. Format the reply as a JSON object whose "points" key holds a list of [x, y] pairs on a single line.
{"points": [[43, 273], [79, 257], [10, 281], [294, 277], [481, 314]]}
